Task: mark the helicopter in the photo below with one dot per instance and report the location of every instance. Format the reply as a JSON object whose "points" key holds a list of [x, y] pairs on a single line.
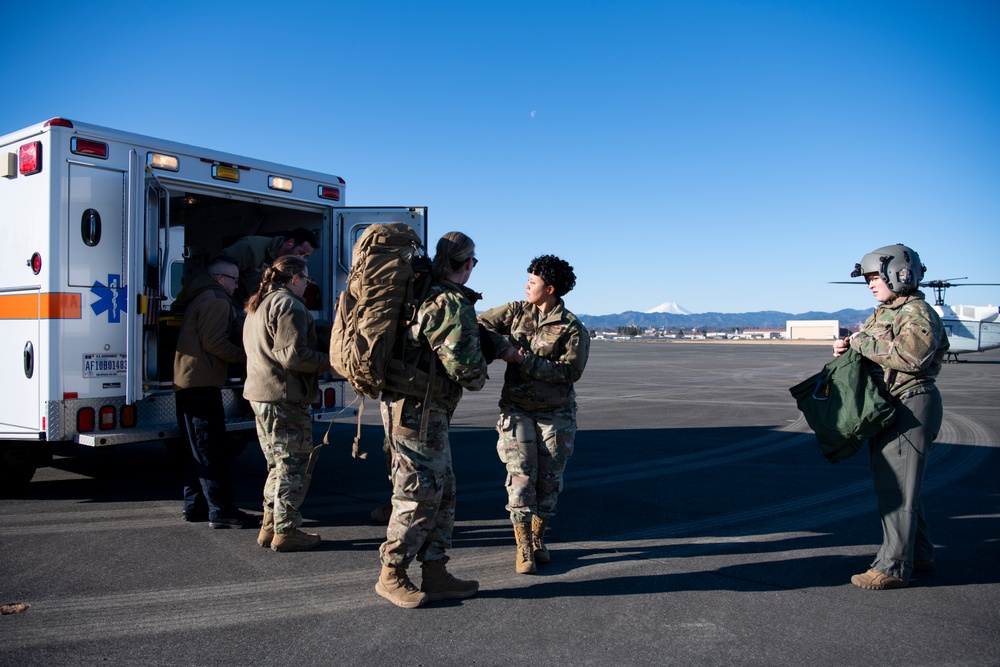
{"points": [[969, 328]]}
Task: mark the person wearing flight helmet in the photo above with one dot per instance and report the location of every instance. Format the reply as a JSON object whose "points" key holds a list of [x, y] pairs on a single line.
{"points": [[906, 338]]}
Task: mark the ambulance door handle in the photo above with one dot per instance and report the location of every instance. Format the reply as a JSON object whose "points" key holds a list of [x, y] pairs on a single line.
{"points": [[29, 360], [90, 227]]}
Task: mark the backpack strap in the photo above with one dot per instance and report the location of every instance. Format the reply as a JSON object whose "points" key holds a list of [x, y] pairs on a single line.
{"points": [[423, 267], [425, 415], [356, 452]]}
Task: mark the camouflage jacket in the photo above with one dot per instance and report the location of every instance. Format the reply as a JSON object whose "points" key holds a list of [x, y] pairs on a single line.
{"points": [[556, 347], [283, 364], [446, 324], [907, 339]]}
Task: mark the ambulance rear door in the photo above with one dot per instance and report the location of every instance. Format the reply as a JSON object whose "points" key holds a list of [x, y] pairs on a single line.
{"points": [[353, 220]]}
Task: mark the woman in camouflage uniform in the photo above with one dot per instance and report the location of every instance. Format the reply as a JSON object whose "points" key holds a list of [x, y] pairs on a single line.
{"points": [[546, 348], [283, 368], [443, 342], [906, 338]]}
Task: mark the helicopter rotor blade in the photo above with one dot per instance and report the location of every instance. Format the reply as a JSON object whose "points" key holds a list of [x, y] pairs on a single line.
{"points": [[941, 284]]}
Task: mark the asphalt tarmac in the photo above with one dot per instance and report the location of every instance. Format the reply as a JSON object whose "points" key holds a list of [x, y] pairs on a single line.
{"points": [[699, 525]]}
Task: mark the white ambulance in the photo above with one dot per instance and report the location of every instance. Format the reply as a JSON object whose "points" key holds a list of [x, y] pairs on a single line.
{"points": [[99, 229]]}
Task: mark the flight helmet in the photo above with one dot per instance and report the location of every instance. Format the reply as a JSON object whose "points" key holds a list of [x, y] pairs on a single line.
{"points": [[898, 265]]}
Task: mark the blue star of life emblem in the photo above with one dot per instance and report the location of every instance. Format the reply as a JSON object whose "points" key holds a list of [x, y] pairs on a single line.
{"points": [[112, 298]]}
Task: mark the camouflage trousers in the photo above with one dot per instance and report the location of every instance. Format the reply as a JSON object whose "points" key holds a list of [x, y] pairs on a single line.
{"points": [[535, 447], [423, 484], [285, 433]]}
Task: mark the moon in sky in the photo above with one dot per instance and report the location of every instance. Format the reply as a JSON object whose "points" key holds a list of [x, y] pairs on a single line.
{"points": [[532, 113]]}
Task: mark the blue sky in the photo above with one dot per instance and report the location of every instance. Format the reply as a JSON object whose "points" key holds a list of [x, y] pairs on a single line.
{"points": [[726, 156]]}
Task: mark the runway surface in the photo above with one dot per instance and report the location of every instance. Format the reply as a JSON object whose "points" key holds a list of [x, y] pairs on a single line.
{"points": [[699, 525]]}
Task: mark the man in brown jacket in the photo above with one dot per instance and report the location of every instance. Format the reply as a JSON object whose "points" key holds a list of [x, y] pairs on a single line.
{"points": [[204, 352]]}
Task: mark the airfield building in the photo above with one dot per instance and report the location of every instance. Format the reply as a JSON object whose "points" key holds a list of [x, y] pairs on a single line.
{"points": [[812, 329]]}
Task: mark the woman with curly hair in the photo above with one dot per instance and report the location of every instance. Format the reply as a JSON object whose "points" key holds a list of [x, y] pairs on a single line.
{"points": [[545, 347]]}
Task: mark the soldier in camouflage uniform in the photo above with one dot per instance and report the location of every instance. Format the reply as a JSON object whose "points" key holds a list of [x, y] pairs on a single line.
{"points": [[546, 348], [906, 338], [283, 368], [444, 342], [253, 254]]}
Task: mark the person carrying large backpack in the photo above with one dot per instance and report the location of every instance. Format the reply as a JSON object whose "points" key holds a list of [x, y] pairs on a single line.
{"points": [[443, 341]]}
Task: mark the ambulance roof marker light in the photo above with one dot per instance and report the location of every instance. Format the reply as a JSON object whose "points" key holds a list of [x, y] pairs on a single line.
{"points": [[58, 122], [162, 161], [279, 183], [223, 172], [97, 149], [329, 192]]}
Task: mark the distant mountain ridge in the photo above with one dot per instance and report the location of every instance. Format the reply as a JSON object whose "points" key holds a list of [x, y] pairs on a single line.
{"points": [[766, 319]]}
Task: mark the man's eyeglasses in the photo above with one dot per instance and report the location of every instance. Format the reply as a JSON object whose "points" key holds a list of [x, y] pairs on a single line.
{"points": [[475, 260], [235, 279]]}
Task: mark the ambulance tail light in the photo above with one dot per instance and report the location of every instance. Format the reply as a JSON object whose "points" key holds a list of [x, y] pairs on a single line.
{"points": [[58, 122], [107, 417], [29, 158], [128, 416], [85, 419], [330, 397], [318, 404]]}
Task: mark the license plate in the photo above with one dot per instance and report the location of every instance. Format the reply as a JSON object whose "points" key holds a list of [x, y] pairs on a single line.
{"points": [[104, 365]]}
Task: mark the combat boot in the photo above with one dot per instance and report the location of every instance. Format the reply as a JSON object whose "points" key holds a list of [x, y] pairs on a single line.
{"points": [[439, 584], [395, 586], [524, 563], [266, 533], [538, 525], [294, 541], [873, 580]]}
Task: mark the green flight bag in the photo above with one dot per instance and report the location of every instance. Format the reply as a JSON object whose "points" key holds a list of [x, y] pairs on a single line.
{"points": [[843, 405]]}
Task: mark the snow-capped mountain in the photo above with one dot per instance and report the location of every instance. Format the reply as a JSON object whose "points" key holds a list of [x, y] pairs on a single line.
{"points": [[669, 307]]}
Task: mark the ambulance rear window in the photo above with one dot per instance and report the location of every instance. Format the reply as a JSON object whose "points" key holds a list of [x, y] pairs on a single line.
{"points": [[176, 277]]}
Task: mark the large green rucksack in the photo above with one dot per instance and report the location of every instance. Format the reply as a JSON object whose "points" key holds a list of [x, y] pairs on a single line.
{"points": [[380, 301], [843, 405]]}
